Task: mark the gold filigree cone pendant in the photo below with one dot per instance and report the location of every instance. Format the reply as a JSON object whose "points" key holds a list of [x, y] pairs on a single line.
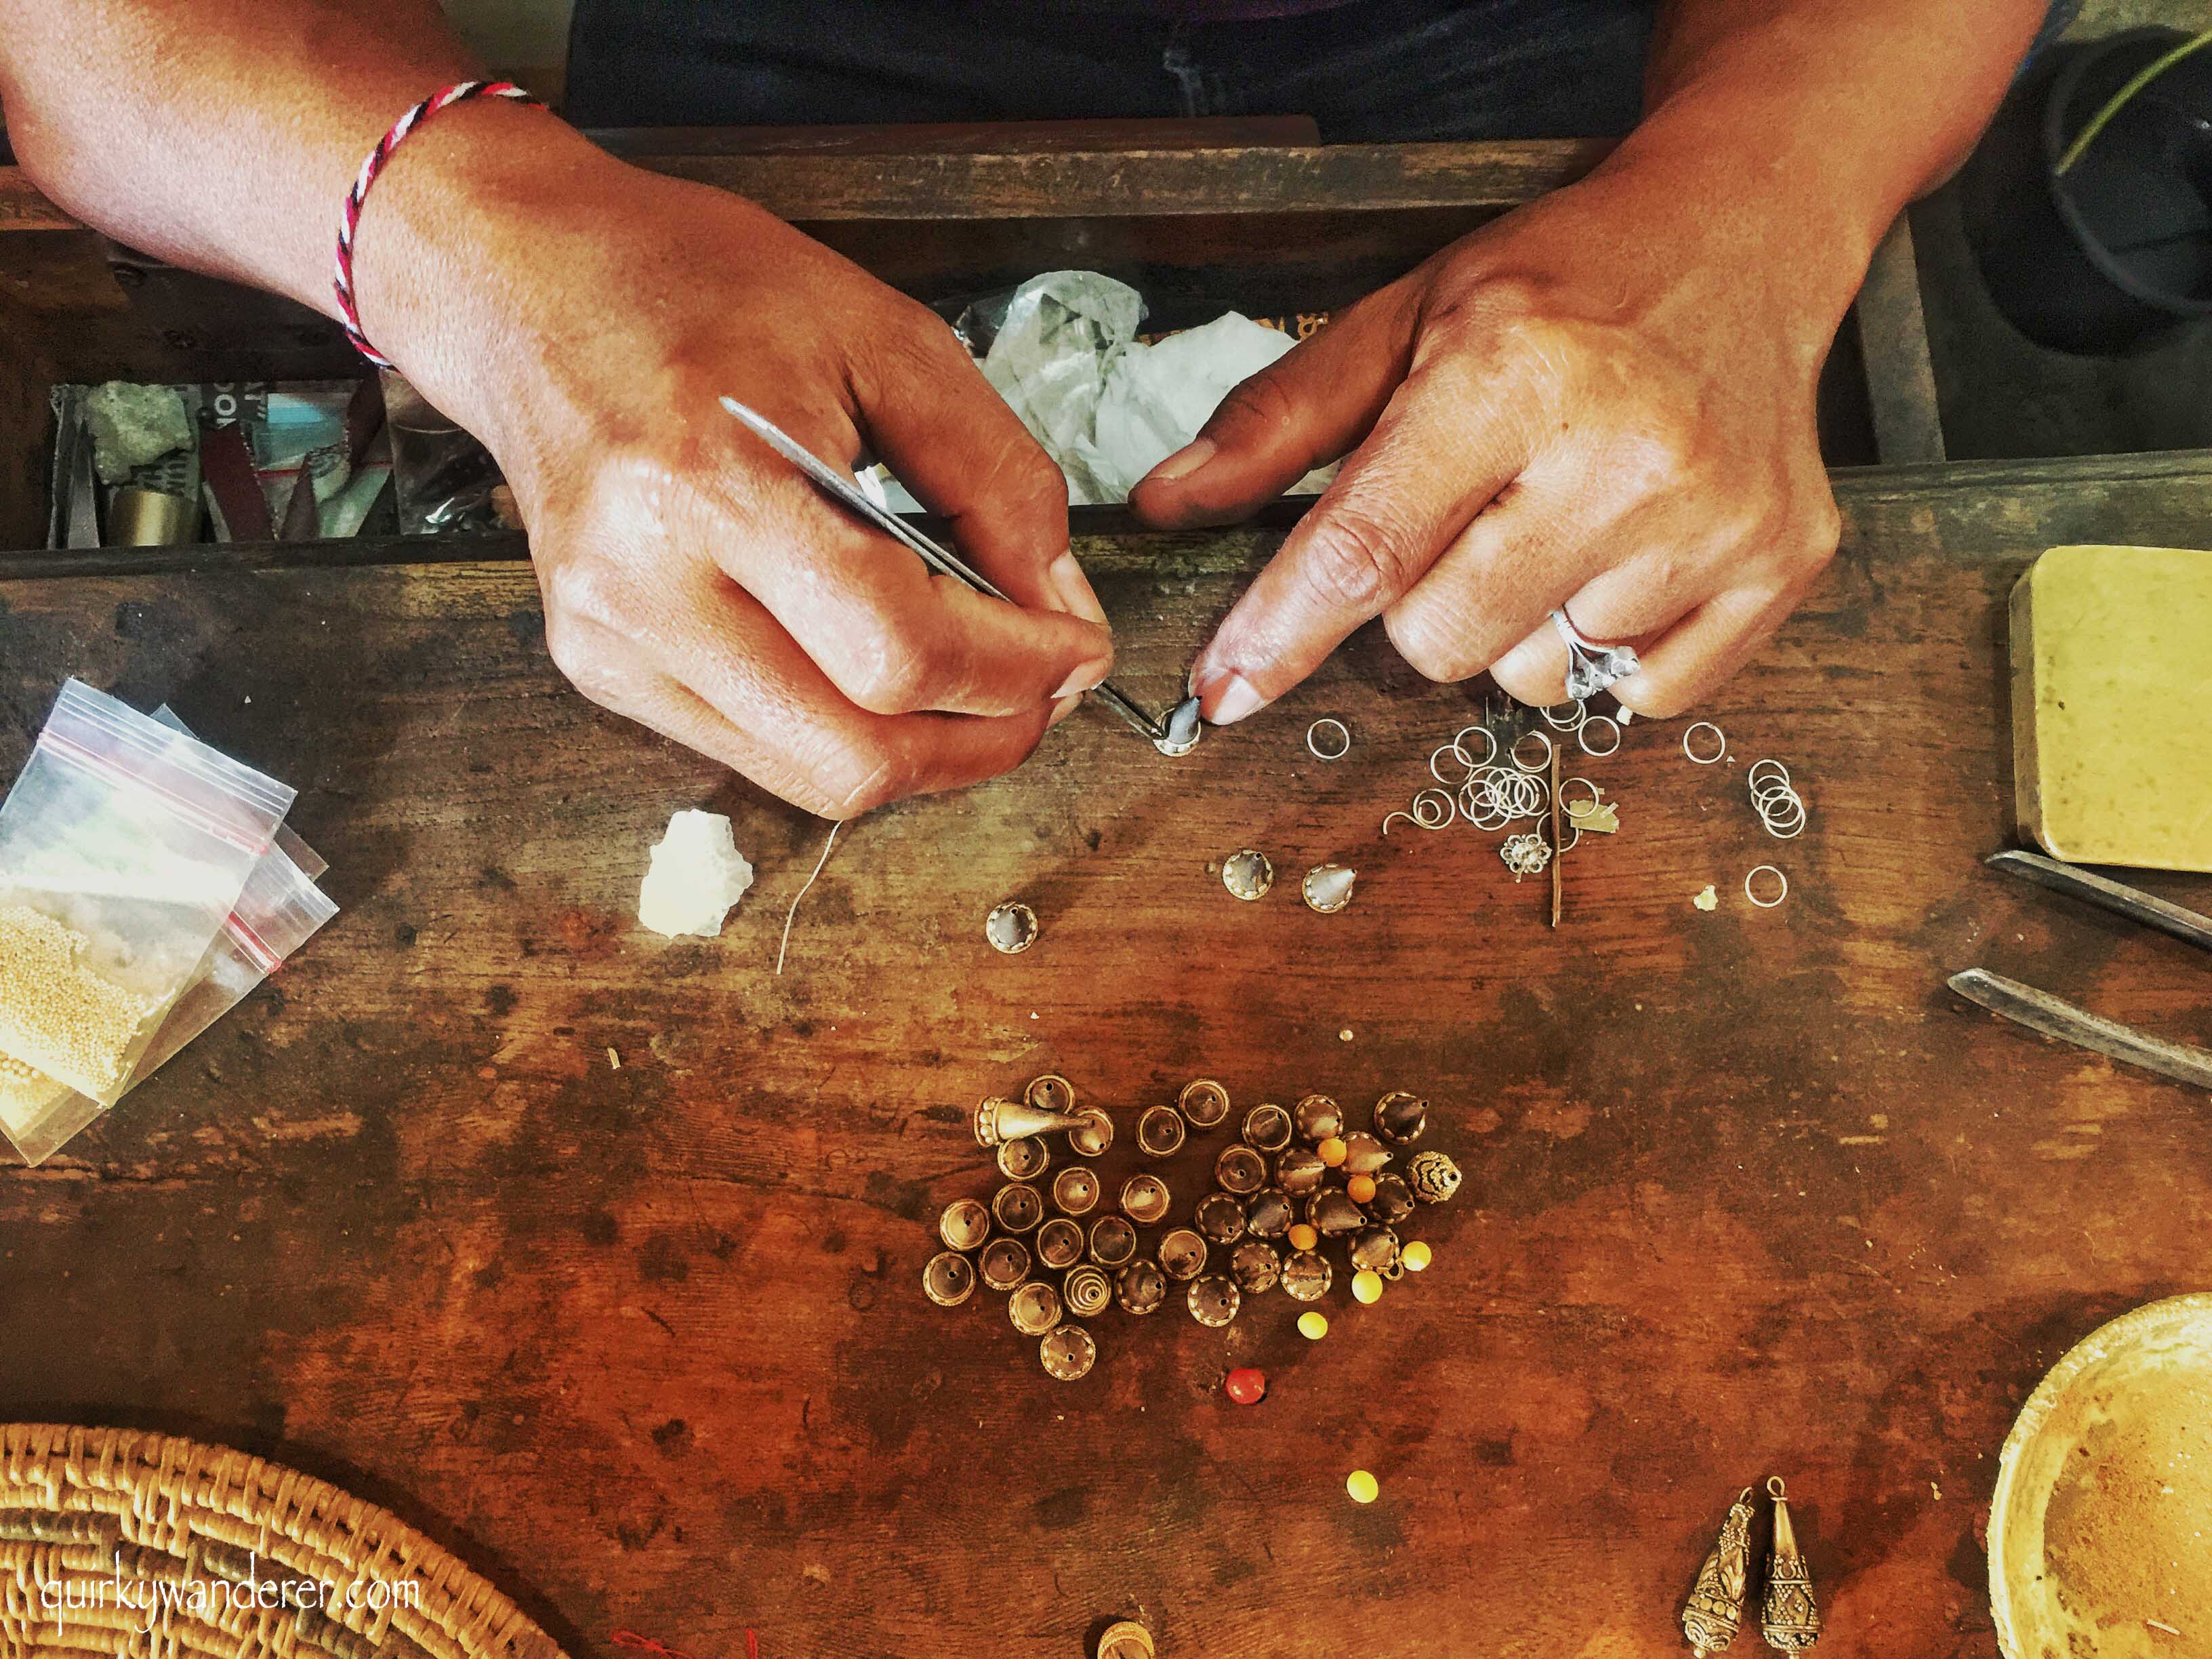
{"points": [[1789, 1619], [1714, 1612]]}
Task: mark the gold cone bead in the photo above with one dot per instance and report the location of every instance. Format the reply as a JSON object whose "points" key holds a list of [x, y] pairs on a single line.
{"points": [[1714, 1612], [1788, 1618]]}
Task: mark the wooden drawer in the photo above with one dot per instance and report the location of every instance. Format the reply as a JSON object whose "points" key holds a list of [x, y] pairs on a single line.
{"points": [[1268, 228]]}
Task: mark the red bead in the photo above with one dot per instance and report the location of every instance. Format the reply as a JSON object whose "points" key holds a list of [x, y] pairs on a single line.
{"points": [[1246, 1385]]}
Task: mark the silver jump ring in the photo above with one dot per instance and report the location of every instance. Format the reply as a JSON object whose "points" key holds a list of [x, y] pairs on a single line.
{"points": [[1752, 777], [1597, 795], [1572, 723], [1429, 821], [1342, 731], [1450, 749], [1783, 827], [1765, 904], [1514, 753], [1583, 735], [1705, 760], [1489, 737]]}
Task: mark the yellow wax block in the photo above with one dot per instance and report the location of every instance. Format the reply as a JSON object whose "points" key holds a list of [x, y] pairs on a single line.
{"points": [[2111, 704]]}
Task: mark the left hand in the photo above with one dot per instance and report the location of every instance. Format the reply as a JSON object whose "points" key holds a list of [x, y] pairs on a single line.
{"points": [[1602, 402]]}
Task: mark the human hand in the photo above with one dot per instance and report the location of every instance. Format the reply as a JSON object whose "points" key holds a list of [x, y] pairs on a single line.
{"points": [[1602, 402], [693, 579]]}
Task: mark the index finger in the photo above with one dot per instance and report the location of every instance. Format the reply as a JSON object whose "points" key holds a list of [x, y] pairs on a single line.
{"points": [[893, 638], [1440, 451], [952, 439]]}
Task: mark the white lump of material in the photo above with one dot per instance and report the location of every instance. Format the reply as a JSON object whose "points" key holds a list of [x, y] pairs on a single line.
{"points": [[697, 876]]}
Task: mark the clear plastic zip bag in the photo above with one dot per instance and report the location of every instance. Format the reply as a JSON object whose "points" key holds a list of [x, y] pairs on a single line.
{"points": [[279, 909], [124, 846]]}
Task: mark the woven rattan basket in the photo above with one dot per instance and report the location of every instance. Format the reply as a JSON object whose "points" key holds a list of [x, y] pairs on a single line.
{"points": [[117, 1542]]}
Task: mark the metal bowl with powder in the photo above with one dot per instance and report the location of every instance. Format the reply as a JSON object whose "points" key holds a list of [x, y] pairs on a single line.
{"points": [[2100, 1528]]}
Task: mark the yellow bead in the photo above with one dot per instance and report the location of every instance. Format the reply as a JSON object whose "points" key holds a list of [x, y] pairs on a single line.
{"points": [[1361, 1187], [1416, 1256], [1367, 1285], [1304, 1238], [1313, 1324], [1363, 1486], [1332, 1151]]}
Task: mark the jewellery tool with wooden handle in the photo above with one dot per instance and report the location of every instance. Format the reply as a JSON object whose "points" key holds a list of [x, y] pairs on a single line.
{"points": [[1177, 734]]}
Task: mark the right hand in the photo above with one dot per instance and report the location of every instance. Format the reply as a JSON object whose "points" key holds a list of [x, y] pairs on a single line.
{"points": [[695, 580]]}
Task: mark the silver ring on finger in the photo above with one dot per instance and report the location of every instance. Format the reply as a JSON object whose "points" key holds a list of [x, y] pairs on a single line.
{"points": [[1591, 667]]}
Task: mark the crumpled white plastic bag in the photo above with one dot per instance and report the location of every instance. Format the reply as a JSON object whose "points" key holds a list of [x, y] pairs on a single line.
{"points": [[1107, 406]]}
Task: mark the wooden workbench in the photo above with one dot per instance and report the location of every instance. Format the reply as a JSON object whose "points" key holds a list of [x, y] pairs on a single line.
{"points": [[1749, 1192]]}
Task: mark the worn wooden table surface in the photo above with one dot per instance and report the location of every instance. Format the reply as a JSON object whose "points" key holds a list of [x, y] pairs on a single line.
{"points": [[1749, 1192]]}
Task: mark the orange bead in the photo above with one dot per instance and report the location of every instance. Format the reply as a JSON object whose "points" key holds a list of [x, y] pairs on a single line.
{"points": [[1332, 1151], [1362, 1188], [1304, 1238]]}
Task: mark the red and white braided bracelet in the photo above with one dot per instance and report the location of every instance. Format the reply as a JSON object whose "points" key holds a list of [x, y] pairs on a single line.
{"points": [[342, 272]]}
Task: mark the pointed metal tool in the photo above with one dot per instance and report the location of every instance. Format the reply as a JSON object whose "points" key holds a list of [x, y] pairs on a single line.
{"points": [[1176, 734], [2055, 1016], [2106, 894]]}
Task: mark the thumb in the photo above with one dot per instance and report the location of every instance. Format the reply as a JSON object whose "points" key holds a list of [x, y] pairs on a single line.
{"points": [[1313, 404]]}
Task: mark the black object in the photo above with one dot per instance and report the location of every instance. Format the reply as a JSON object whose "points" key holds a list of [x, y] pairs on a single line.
{"points": [[2117, 251]]}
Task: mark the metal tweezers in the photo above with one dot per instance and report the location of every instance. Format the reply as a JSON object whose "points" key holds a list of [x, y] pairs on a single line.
{"points": [[1176, 734], [2056, 1017]]}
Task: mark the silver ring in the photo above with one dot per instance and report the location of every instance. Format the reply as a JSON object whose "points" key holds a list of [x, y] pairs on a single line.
{"points": [[1342, 731], [1752, 777], [1705, 760], [1488, 737], [1582, 735], [1765, 904], [1514, 753], [1592, 667], [1450, 749], [1573, 724], [1597, 795]]}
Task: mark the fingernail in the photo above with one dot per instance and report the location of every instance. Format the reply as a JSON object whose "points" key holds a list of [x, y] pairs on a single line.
{"points": [[1085, 677], [1226, 699], [1184, 462], [1066, 578], [1062, 710]]}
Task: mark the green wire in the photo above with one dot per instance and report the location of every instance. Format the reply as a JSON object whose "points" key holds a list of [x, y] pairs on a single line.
{"points": [[2118, 100]]}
